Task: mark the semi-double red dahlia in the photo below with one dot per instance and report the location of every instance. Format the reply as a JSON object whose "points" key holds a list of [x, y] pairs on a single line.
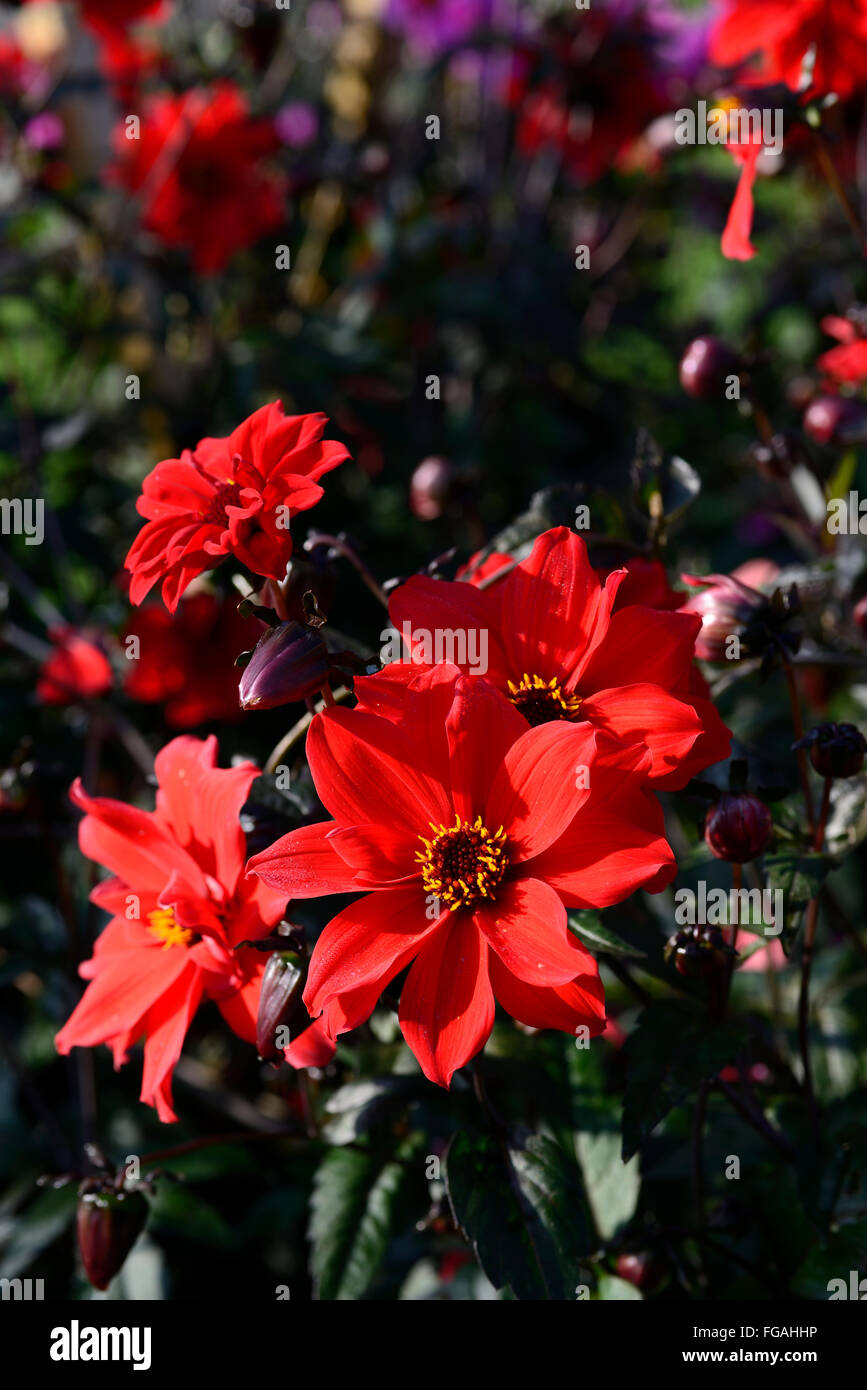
{"points": [[230, 496], [550, 636], [777, 35], [180, 905], [197, 163], [468, 834]]}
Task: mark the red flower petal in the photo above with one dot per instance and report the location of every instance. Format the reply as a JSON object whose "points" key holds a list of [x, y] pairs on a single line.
{"points": [[526, 926], [366, 944], [447, 1004]]}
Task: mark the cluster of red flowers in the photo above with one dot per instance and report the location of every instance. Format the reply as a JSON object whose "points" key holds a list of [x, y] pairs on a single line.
{"points": [[468, 809]]}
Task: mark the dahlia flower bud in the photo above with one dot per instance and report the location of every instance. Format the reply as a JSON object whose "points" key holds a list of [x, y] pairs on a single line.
{"points": [[859, 613], [738, 827], [837, 420], [698, 951], [289, 662], [729, 607], [705, 365], [836, 750], [279, 999], [429, 488], [641, 1268], [108, 1223]]}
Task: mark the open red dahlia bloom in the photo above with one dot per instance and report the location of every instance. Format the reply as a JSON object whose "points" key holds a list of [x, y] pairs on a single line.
{"points": [[198, 165], [551, 637], [468, 834], [180, 903], [777, 35], [230, 496]]}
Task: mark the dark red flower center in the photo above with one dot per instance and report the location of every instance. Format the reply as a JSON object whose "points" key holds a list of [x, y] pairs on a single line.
{"points": [[225, 495], [463, 862], [541, 701]]}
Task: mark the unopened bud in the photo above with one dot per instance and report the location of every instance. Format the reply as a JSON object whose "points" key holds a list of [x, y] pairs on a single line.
{"points": [[289, 662], [279, 1001], [836, 750], [705, 365], [836, 420], [738, 828], [107, 1223]]}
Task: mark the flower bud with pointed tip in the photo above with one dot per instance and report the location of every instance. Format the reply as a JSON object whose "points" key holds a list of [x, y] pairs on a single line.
{"points": [[108, 1224], [279, 999], [289, 662], [836, 750], [738, 828]]}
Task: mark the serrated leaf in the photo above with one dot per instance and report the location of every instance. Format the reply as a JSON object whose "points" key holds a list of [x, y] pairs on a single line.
{"points": [[355, 1196], [519, 1200]]}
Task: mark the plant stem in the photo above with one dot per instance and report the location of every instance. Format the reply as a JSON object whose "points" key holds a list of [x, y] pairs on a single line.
{"points": [[756, 1119], [344, 549], [798, 725], [812, 919]]}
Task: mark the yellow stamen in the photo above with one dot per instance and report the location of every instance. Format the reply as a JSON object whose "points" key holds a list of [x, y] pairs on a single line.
{"points": [[541, 701], [463, 862], [165, 925]]}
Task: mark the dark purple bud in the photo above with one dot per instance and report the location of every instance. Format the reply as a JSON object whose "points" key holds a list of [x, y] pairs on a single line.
{"points": [[107, 1224], [429, 488], [279, 999], [705, 365], [837, 420], [836, 750], [698, 951], [289, 662], [738, 828]]}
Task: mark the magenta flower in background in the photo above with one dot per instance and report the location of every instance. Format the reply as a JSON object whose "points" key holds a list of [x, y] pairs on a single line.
{"points": [[432, 26], [297, 124]]}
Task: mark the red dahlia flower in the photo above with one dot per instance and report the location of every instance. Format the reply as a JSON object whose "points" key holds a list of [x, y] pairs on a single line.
{"points": [[180, 903], [77, 669], [198, 165], [777, 34], [186, 661], [848, 362], [558, 648], [468, 833], [230, 496]]}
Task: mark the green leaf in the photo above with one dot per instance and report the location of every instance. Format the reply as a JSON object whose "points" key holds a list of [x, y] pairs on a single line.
{"points": [[614, 1290], [612, 1185], [596, 935], [354, 1204], [670, 1052], [799, 877], [38, 1227], [360, 1106], [519, 1200]]}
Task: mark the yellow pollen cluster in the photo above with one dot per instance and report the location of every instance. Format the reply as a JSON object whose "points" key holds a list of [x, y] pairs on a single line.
{"points": [[463, 862], [542, 701], [165, 925]]}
